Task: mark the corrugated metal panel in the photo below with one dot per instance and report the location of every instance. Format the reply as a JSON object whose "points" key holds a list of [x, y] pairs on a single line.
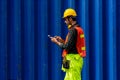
{"points": [[26, 53]]}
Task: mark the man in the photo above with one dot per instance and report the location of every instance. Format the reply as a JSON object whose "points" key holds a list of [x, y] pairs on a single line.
{"points": [[74, 46]]}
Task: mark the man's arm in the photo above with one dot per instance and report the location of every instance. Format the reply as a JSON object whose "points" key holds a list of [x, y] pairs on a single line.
{"points": [[71, 40]]}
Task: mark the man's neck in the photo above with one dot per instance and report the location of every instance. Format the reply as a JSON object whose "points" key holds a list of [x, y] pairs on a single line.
{"points": [[72, 25]]}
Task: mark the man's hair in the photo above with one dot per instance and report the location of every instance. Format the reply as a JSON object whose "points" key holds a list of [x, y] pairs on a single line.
{"points": [[73, 18]]}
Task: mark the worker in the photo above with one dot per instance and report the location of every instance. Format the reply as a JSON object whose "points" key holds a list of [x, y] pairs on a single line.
{"points": [[74, 48]]}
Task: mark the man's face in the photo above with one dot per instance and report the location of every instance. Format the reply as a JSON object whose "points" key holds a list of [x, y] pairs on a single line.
{"points": [[67, 22]]}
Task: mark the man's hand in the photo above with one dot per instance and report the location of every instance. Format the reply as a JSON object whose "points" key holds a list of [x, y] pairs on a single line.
{"points": [[59, 39], [53, 39]]}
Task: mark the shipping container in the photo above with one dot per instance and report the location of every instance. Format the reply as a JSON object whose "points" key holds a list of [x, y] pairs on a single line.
{"points": [[26, 52]]}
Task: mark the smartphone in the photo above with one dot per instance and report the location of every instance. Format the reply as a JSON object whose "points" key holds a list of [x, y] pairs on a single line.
{"points": [[50, 36]]}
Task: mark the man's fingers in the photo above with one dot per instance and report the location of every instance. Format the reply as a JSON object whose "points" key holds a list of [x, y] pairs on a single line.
{"points": [[56, 36], [53, 39]]}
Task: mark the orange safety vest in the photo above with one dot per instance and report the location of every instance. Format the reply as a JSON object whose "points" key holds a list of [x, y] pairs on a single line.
{"points": [[80, 43]]}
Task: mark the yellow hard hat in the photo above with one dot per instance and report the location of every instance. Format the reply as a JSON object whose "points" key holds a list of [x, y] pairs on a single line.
{"points": [[69, 12]]}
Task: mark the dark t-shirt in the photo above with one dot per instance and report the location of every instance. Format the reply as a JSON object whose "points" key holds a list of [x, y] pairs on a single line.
{"points": [[70, 45]]}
